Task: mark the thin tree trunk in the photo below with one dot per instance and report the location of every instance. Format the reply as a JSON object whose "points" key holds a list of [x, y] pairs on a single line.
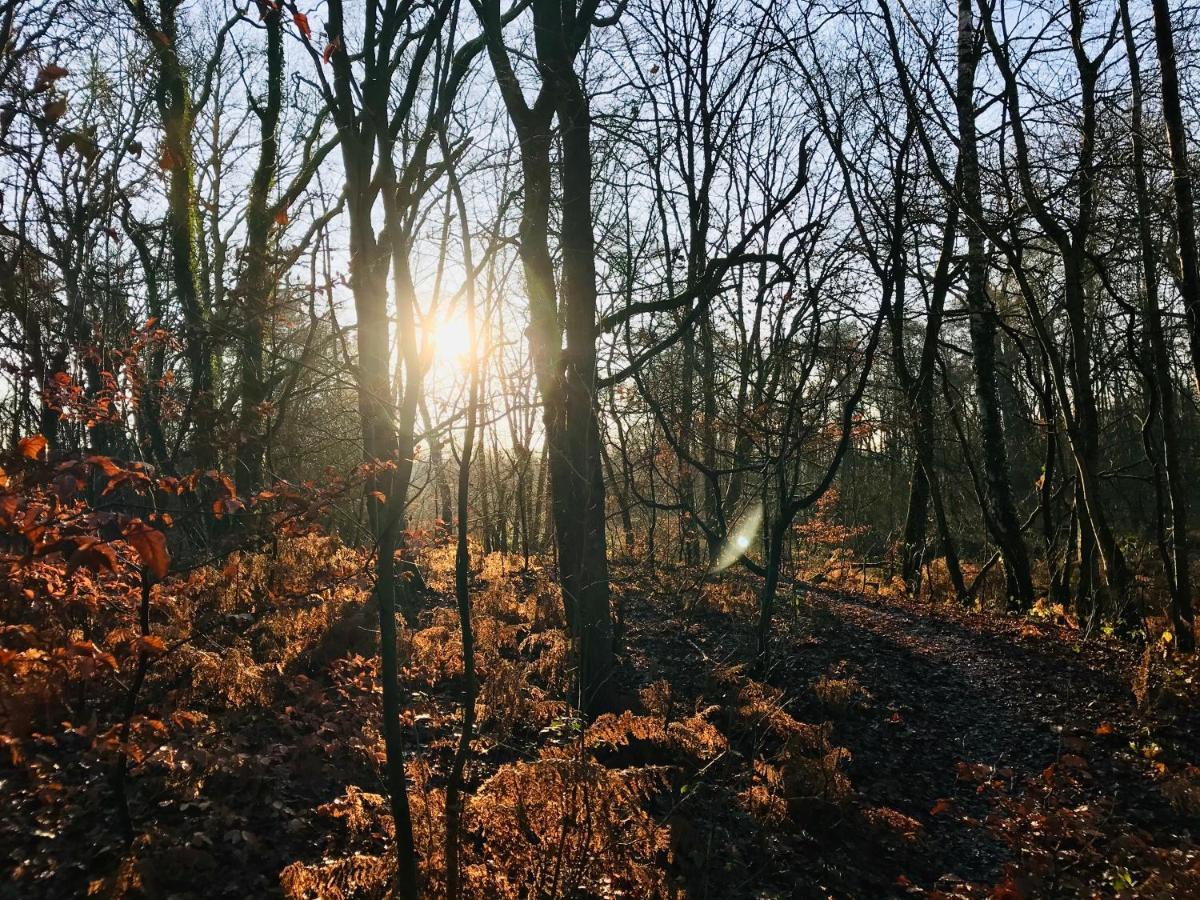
{"points": [[462, 571], [258, 282], [173, 98], [1169, 466], [1181, 172], [1002, 512]]}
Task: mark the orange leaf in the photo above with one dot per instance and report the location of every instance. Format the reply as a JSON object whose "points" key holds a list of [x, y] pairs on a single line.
{"points": [[9, 505], [301, 21], [1105, 728], [32, 447], [224, 505], [331, 48], [104, 464], [151, 547], [184, 718], [152, 645], [942, 806], [281, 218]]}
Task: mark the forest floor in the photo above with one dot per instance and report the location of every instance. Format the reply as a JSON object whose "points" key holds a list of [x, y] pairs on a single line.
{"points": [[1023, 751], [1030, 762], [892, 749]]}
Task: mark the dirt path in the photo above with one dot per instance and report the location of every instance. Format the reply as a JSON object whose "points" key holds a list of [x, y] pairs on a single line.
{"points": [[984, 729]]}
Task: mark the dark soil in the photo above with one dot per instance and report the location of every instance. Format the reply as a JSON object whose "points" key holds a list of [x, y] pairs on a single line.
{"points": [[1019, 747]]}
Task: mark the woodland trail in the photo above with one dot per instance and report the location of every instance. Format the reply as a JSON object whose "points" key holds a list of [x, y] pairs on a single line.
{"points": [[1021, 748]]}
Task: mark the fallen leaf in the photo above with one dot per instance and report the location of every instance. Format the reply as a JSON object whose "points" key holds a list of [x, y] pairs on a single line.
{"points": [[1073, 760]]}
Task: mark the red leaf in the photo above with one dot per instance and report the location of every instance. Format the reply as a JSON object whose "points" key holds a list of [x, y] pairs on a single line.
{"points": [[94, 554], [32, 447], [281, 218], [1008, 889], [47, 75], [301, 21], [224, 482], [225, 505], [67, 485], [331, 48], [91, 651], [151, 547], [55, 109]]}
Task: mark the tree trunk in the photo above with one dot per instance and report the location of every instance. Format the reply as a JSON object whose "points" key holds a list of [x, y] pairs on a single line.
{"points": [[462, 571], [566, 378], [1168, 467], [1002, 513], [1181, 176], [583, 554], [257, 289], [174, 101]]}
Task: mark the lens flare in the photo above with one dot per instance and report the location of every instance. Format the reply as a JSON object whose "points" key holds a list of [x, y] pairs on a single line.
{"points": [[740, 538]]}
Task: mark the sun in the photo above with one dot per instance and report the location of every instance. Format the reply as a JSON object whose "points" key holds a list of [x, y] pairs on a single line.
{"points": [[450, 338]]}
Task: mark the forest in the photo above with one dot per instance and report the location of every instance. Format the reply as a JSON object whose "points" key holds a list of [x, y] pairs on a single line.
{"points": [[599, 449]]}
